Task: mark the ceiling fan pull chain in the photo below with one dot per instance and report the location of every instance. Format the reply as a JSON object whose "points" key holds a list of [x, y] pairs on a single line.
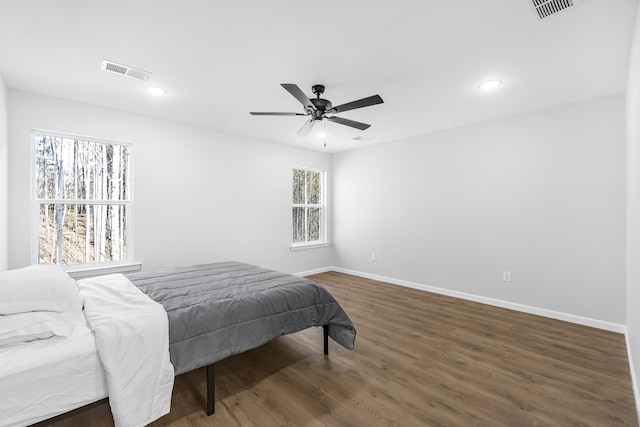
{"points": [[324, 124]]}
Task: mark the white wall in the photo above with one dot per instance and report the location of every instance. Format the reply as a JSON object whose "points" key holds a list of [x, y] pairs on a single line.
{"points": [[200, 196], [4, 177], [540, 195], [633, 206]]}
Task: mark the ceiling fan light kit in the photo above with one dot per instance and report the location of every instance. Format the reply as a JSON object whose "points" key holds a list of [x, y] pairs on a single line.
{"points": [[319, 109]]}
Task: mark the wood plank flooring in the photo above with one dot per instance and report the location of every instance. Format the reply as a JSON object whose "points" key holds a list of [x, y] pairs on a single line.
{"points": [[420, 359]]}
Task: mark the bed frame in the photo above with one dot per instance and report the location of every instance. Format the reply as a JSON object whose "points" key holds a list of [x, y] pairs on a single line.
{"points": [[329, 313], [211, 375]]}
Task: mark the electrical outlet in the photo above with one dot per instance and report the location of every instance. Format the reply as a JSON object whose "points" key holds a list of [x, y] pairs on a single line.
{"points": [[506, 276], [373, 256]]}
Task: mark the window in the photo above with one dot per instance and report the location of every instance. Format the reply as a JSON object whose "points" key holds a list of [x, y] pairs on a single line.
{"points": [[308, 206], [82, 200]]}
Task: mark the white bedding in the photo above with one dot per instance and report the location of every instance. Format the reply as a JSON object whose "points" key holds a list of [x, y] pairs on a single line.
{"points": [[45, 378], [118, 347], [132, 338]]}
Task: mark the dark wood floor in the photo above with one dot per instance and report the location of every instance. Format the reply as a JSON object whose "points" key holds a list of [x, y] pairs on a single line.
{"points": [[420, 359]]}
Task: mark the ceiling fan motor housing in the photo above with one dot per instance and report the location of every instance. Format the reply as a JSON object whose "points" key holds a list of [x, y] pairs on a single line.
{"points": [[322, 105]]}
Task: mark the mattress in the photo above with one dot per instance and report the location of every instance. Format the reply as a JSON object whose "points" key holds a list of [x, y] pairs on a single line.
{"points": [[221, 309], [45, 378]]}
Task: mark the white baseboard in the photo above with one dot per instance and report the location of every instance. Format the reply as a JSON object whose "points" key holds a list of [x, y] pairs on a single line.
{"points": [[316, 271], [594, 323]]}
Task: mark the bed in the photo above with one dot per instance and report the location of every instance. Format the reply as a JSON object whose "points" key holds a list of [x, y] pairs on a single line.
{"points": [[213, 311]]}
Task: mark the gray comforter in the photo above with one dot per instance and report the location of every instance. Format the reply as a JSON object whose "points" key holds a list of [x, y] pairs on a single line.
{"points": [[217, 310]]}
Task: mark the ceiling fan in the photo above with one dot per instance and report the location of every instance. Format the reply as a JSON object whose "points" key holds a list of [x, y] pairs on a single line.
{"points": [[319, 109]]}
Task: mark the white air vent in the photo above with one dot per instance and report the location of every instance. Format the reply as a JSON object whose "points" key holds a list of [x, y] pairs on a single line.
{"points": [[361, 138], [546, 8], [124, 70]]}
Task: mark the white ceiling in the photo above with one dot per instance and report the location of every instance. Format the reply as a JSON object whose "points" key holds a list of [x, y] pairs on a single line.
{"points": [[221, 59]]}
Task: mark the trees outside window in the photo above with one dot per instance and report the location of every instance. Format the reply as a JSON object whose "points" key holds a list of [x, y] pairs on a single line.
{"points": [[83, 200], [308, 206]]}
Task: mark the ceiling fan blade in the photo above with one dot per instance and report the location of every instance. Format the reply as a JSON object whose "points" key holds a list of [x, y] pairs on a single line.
{"points": [[360, 103], [254, 113], [306, 128], [299, 95], [347, 122]]}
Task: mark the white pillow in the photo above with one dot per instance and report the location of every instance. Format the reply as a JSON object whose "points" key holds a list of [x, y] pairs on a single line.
{"points": [[25, 327], [38, 288]]}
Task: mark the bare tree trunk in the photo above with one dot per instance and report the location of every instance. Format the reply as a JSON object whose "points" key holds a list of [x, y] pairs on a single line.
{"points": [[96, 236], [114, 217], [103, 210], [88, 210], [76, 234], [46, 188], [306, 210], [60, 213], [124, 182], [56, 184]]}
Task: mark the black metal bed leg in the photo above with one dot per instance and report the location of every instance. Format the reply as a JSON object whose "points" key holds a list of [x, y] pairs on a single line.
{"points": [[325, 329], [211, 389]]}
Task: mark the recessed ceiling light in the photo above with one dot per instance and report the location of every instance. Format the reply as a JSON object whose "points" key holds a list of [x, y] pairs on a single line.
{"points": [[156, 91], [489, 84]]}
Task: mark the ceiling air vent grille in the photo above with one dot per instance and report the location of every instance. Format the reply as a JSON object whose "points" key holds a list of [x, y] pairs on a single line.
{"points": [[546, 8], [124, 70]]}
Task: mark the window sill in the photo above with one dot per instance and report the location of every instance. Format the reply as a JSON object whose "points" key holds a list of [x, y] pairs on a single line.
{"points": [[91, 270], [305, 246]]}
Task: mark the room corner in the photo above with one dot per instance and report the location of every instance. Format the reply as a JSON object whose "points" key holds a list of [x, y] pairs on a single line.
{"points": [[4, 176], [632, 99]]}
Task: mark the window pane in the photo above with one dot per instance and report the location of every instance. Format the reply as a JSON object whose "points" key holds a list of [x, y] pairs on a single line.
{"points": [[306, 224], [298, 186], [48, 151], [77, 234], [298, 225], [68, 168], [313, 224], [313, 188]]}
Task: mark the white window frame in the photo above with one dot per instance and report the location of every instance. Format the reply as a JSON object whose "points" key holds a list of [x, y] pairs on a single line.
{"points": [[91, 268], [323, 241]]}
